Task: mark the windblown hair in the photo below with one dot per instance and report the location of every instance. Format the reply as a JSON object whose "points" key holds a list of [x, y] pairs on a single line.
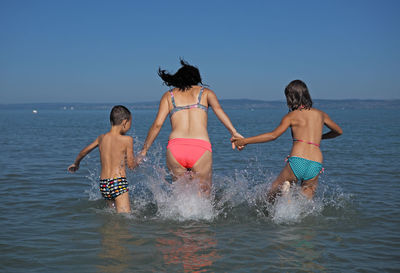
{"points": [[184, 78], [297, 95], [118, 114]]}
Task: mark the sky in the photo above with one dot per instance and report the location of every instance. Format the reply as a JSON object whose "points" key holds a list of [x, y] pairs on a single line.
{"points": [[110, 51]]}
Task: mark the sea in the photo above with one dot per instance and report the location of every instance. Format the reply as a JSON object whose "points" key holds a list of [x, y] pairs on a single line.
{"points": [[55, 221]]}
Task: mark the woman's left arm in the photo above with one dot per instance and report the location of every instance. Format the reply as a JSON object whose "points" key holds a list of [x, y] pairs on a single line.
{"points": [[219, 112], [222, 116]]}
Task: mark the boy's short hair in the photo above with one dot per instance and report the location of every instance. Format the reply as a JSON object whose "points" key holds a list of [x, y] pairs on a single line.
{"points": [[118, 114]]}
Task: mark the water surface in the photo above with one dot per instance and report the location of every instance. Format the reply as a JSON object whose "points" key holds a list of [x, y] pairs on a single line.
{"points": [[53, 221]]}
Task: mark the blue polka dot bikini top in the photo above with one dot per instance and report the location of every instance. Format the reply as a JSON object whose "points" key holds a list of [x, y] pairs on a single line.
{"points": [[185, 107]]}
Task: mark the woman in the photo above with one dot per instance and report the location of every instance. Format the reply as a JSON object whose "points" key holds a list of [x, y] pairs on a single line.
{"points": [[189, 147]]}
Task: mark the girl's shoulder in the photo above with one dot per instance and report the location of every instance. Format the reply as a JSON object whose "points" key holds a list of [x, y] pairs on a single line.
{"points": [[319, 112], [312, 110], [304, 112]]}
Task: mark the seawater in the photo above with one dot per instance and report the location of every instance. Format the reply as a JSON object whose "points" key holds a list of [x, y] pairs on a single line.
{"points": [[53, 221]]}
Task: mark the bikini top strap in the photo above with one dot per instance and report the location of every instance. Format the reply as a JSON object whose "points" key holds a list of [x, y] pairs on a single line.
{"points": [[200, 94], [172, 98]]}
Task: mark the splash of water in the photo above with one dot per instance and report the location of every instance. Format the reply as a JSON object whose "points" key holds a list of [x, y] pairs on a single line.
{"points": [[240, 195]]}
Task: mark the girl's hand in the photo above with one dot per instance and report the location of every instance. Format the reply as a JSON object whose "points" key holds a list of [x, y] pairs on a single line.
{"points": [[73, 168], [235, 137]]}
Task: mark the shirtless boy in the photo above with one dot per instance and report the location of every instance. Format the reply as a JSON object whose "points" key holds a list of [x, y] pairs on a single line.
{"points": [[116, 152]]}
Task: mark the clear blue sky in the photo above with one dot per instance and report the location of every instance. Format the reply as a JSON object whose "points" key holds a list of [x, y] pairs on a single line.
{"points": [[109, 51]]}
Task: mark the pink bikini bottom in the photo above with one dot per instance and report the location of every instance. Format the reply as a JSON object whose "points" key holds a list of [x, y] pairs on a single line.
{"points": [[188, 150]]}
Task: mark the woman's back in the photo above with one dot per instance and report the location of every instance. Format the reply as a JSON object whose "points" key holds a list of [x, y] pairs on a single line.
{"points": [[307, 125], [188, 113]]}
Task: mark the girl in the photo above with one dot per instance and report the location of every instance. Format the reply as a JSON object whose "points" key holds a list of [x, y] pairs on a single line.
{"points": [[305, 161]]}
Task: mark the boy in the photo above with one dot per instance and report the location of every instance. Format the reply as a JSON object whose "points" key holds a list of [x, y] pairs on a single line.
{"points": [[116, 151]]}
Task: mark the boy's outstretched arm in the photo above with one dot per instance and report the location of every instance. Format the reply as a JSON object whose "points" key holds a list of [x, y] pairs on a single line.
{"points": [[75, 166], [131, 161], [270, 136], [335, 129]]}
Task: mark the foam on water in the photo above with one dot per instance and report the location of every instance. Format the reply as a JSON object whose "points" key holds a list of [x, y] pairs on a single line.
{"points": [[292, 207]]}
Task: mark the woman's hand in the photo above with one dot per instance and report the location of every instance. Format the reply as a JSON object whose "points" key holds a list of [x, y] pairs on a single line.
{"points": [[236, 137], [141, 157]]}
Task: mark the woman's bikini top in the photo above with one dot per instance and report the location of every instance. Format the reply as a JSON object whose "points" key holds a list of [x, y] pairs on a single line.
{"points": [[179, 108], [308, 142]]}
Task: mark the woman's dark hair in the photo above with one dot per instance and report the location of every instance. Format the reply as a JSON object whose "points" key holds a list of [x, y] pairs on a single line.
{"points": [[118, 114], [184, 78], [297, 95]]}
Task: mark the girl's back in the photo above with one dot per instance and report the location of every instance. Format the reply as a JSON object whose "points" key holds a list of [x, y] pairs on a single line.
{"points": [[306, 126]]}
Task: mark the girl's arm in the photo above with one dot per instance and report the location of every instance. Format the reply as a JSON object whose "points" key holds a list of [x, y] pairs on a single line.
{"points": [[221, 115], [157, 124], [75, 166], [270, 136], [131, 162], [335, 129]]}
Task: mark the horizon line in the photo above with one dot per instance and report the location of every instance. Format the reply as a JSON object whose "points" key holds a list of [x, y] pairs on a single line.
{"points": [[157, 101]]}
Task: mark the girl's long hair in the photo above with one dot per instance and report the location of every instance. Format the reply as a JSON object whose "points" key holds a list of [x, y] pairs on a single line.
{"points": [[297, 95], [184, 78]]}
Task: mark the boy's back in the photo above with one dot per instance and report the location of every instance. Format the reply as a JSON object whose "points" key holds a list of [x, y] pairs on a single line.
{"points": [[114, 154]]}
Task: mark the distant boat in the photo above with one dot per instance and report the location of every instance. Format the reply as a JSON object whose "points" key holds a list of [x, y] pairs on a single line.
{"points": [[34, 111]]}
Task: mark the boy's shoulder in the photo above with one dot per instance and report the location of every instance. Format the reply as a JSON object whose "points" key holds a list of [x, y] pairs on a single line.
{"points": [[123, 138], [126, 139], [100, 137]]}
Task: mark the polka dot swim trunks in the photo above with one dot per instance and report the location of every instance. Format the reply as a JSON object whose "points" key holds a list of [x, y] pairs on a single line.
{"points": [[113, 187]]}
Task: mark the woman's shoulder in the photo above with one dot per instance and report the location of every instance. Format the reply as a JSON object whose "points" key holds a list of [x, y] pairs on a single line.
{"points": [[167, 94], [207, 91]]}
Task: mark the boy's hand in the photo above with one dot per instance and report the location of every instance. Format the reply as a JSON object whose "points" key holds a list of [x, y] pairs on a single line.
{"points": [[235, 137], [238, 142], [73, 168]]}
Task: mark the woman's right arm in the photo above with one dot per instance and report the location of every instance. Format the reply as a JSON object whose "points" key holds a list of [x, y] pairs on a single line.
{"points": [[335, 129], [162, 114]]}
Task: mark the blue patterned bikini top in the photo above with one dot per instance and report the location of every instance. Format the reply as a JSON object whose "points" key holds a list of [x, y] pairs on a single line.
{"points": [[179, 108]]}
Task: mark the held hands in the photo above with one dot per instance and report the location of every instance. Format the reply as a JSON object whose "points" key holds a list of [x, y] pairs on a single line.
{"points": [[141, 157], [238, 142], [236, 137], [73, 168]]}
